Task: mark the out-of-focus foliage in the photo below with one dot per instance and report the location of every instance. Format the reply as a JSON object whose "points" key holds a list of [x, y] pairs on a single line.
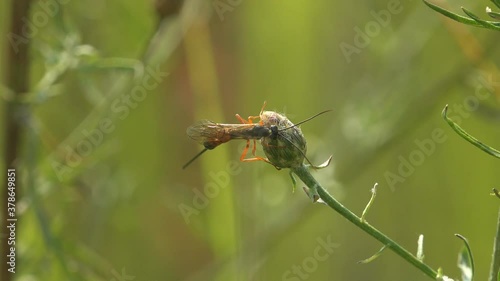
{"points": [[103, 193]]}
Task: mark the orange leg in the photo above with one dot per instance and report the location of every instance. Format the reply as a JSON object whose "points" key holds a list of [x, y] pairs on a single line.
{"points": [[243, 120], [254, 147], [250, 118], [256, 158], [245, 151], [262, 109]]}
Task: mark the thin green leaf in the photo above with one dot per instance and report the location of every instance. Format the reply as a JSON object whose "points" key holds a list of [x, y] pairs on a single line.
{"points": [[492, 14], [496, 192], [480, 21], [465, 260], [372, 258], [459, 18], [496, 2], [490, 150], [372, 199], [452, 15]]}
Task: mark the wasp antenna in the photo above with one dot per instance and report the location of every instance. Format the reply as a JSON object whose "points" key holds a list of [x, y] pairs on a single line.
{"points": [[194, 158], [303, 121]]}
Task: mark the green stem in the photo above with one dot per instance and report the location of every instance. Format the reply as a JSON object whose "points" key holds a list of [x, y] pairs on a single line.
{"points": [[495, 263], [303, 173]]}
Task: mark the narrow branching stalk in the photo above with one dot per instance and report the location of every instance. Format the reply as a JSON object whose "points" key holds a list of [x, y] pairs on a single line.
{"points": [[303, 173], [495, 262], [286, 148]]}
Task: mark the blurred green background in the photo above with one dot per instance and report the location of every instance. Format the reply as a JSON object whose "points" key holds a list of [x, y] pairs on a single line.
{"points": [[123, 209]]}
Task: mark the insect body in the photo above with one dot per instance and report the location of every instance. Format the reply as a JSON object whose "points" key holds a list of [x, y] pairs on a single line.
{"points": [[212, 134], [274, 131]]}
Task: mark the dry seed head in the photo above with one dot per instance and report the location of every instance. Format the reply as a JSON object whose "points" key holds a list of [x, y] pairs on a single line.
{"points": [[288, 147]]}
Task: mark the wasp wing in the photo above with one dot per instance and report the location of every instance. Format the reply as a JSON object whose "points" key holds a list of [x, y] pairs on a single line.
{"points": [[203, 131]]}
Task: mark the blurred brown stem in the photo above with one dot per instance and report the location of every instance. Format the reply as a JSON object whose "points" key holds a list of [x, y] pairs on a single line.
{"points": [[17, 81]]}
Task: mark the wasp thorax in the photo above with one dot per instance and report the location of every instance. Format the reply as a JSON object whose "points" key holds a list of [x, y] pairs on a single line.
{"points": [[286, 146]]}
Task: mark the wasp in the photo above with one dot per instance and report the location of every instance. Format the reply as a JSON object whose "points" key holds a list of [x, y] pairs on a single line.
{"points": [[211, 134]]}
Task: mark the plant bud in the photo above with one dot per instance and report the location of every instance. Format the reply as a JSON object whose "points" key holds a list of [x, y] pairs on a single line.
{"points": [[286, 146]]}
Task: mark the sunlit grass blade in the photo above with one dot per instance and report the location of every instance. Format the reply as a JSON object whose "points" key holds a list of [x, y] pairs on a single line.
{"points": [[468, 137]]}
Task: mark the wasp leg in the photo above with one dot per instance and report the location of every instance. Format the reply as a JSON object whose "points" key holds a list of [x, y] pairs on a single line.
{"points": [[260, 159], [245, 151], [249, 121], [255, 158], [262, 109], [241, 119], [250, 118], [254, 147]]}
